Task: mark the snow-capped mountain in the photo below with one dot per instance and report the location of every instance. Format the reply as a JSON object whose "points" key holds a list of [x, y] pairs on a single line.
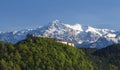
{"points": [[81, 36]]}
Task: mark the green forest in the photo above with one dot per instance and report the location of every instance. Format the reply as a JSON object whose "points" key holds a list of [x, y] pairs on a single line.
{"points": [[39, 53]]}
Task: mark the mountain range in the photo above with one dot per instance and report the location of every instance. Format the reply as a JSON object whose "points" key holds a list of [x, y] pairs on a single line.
{"points": [[81, 36]]}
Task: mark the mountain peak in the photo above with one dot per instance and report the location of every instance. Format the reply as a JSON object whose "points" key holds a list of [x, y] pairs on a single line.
{"points": [[91, 29], [60, 24], [56, 22]]}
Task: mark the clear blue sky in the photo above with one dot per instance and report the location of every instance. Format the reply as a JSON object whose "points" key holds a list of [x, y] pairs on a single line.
{"points": [[21, 14]]}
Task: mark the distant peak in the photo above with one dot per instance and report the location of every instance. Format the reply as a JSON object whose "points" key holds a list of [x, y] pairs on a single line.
{"points": [[77, 24], [56, 21], [91, 29]]}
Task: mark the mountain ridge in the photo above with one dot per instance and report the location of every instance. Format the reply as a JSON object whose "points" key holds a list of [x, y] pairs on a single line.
{"points": [[81, 36]]}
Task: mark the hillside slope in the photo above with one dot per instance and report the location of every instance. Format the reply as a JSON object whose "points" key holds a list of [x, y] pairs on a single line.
{"points": [[110, 54], [38, 53]]}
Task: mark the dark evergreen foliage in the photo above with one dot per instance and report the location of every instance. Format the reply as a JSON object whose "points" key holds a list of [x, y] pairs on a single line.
{"points": [[110, 54]]}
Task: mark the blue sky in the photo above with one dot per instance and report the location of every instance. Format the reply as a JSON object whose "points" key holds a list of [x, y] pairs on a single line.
{"points": [[21, 14]]}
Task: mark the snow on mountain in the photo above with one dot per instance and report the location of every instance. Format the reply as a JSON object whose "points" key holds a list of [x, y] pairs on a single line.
{"points": [[111, 35], [76, 27], [81, 36], [93, 30]]}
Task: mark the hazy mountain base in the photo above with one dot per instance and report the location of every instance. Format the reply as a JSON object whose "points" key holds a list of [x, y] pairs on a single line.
{"points": [[38, 53]]}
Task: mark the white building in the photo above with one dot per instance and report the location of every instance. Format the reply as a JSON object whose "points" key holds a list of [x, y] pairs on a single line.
{"points": [[65, 42]]}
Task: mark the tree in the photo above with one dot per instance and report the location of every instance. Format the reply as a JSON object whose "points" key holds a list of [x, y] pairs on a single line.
{"points": [[3, 65]]}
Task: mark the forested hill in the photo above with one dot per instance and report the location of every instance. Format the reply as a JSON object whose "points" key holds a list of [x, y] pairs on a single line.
{"points": [[110, 54], [38, 53]]}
